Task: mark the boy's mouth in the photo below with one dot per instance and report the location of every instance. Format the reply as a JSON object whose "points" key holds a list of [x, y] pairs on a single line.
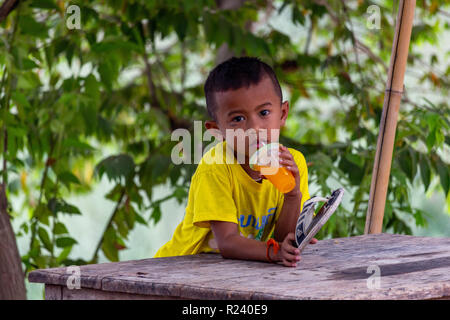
{"points": [[260, 143]]}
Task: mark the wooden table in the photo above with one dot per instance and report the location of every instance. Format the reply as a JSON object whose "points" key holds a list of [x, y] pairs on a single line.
{"points": [[345, 268]]}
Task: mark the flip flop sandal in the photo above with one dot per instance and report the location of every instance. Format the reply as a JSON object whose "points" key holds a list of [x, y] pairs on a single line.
{"points": [[307, 224]]}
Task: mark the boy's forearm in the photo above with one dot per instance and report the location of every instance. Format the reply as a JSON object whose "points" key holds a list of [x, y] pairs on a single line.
{"points": [[239, 247], [288, 217]]}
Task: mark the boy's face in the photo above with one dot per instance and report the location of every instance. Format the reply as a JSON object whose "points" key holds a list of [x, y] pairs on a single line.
{"points": [[256, 107]]}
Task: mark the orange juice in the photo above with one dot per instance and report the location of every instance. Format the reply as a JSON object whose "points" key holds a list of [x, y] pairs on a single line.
{"points": [[283, 179], [266, 160]]}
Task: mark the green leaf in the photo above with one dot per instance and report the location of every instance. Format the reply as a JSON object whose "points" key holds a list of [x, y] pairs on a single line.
{"points": [[64, 242], [64, 254], [407, 163], [180, 194], [419, 217], [73, 142], [59, 205], [140, 219], [156, 214], [174, 175], [116, 167], [109, 45], [181, 26], [42, 213], [115, 193], [354, 172], [354, 158], [119, 221], [43, 4], [160, 164], [108, 248], [43, 235], [130, 215], [60, 228], [444, 175], [92, 87], [108, 69], [35, 249], [20, 99], [31, 27], [28, 64], [28, 80], [425, 171], [67, 178], [17, 131], [297, 16]]}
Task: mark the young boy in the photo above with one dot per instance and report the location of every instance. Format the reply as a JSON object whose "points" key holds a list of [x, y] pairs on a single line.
{"points": [[231, 208]]}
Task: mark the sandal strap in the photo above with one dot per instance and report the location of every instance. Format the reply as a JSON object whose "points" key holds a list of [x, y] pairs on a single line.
{"points": [[317, 199]]}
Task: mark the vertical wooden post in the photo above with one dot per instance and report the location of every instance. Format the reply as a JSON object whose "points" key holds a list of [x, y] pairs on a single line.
{"points": [[12, 284], [388, 123]]}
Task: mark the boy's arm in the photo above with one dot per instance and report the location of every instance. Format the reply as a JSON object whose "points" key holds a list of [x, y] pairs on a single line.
{"points": [[290, 212], [234, 246], [287, 220], [292, 200]]}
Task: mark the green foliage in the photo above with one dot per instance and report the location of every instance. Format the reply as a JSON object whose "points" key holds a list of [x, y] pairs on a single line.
{"points": [[134, 73]]}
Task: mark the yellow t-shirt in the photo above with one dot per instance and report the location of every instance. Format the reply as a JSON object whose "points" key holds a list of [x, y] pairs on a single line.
{"points": [[225, 192]]}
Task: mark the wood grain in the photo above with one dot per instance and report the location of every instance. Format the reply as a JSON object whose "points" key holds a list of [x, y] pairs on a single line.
{"points": [[411, 268]]}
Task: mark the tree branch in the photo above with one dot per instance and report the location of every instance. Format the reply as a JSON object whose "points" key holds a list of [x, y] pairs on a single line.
{"points": [[358, 43], [6, 8], [308, 39], [113, 214], [175, 122]]}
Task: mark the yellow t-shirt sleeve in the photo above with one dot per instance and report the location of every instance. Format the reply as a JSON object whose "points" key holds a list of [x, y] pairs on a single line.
{"points": [[213, 199], [303, 170]]}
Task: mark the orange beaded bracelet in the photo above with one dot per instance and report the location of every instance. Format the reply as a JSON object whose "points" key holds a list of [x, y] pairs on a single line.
{"points": [[276, 247]]}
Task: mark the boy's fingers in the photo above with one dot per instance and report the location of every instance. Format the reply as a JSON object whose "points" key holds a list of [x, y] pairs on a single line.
{"points": [[291, 257], [289, 245], [313, 241], [285, 155], [287, 162], [290, 236], [292, 249], [289, 263]]}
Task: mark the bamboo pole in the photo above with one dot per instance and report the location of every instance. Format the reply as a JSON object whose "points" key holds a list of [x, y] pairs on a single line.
{"points": [[388, 123]]}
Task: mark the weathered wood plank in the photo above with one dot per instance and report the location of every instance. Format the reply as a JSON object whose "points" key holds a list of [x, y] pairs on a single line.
{"points": [[410, 267], [95, 294], [53, 292]]}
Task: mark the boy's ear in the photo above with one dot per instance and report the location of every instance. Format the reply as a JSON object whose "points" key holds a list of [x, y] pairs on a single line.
{"points": [[284, 112], [211, 124]]}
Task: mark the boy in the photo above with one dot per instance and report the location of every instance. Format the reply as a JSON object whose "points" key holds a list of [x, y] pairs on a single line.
{"points": [[231, 208]]}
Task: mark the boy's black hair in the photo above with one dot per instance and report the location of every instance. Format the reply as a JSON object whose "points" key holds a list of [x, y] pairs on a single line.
{"points": [[234, 74]]}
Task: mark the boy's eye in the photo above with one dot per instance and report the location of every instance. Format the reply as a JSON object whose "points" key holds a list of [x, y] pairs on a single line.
{"points": [[265, 112], [237, 119]]}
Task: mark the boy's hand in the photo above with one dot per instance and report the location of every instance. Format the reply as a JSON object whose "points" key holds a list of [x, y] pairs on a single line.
{"points": [[288, 253], [287, 161]]}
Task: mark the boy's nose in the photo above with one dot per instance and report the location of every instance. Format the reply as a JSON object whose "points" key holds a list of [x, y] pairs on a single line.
{"points": [[256, 125]]}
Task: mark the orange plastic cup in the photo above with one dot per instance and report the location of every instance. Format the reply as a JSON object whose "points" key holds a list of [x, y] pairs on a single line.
{"points": [[266, 161]]}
